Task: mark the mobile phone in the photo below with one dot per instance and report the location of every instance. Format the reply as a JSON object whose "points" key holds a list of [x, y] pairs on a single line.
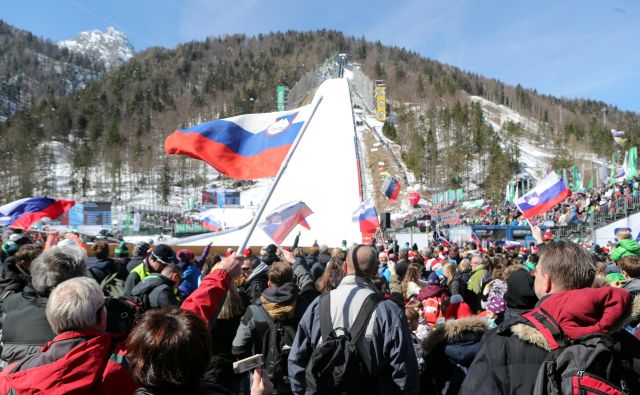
{"points": [[247, 364]]}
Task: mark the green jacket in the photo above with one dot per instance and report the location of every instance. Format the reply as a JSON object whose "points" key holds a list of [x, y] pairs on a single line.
{"points": [[475, 281], [626, 247]]}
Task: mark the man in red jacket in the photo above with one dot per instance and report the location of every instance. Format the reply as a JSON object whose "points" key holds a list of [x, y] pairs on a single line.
{"points": [[83, 358]]}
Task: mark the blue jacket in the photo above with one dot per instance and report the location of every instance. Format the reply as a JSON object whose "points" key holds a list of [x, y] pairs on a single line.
{"points": [[190, 279], [387, 342]]}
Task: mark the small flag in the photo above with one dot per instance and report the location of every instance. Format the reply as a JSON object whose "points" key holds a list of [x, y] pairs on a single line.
{"points": [[390, 188], [367, 216], [443, 241], [475, 238], [618, 136], [211, 224], [245, 147], [511, 243], [543, 197], [281, 221], [25, 212]]}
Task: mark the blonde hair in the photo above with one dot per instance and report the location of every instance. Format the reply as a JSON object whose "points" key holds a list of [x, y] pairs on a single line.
{"points": [[452, 269], [623, 234]]}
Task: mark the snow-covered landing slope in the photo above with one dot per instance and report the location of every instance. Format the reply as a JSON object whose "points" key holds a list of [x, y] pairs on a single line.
{"points": [[322, 173]]}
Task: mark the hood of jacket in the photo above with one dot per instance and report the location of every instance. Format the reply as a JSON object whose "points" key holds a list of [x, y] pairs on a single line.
{"points": [[520, 294], [460, 337], [632, 285], [430, 291], [582, 312], [280, 302], [149, 283], [630, 245]]}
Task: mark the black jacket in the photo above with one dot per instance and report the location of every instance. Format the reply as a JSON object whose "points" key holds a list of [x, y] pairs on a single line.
{"points": [[156, 291], [101, 268], [13, 280], [447, 351], [203, 388], [25, 326], [257, 282]]}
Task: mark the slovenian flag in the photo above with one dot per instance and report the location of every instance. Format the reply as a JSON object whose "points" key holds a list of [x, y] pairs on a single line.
{"points": [[245, 147], [618, 136], [511, 244], [367, 216], [25, 212], [390, 188], [211, 224], [543, 197], [281, 221]]}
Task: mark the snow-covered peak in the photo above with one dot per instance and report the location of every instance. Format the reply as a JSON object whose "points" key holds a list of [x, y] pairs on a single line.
{"points": [[111, 46]]}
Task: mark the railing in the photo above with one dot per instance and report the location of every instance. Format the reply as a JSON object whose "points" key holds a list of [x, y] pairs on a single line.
{"points": [[612, 211]]}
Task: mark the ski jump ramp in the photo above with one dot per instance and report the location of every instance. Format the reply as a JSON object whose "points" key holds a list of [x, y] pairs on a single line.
{"points": [[323, 173]]}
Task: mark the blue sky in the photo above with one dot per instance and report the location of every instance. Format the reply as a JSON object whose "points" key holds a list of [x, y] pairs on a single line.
{"points": [[570, 48]]}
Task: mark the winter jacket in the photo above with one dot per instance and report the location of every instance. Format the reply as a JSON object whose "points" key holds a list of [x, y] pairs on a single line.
{"points": [[220, 369], [387, 342], [121, 267], [432, 291], [510, 356], [25, 326], [280, 304], [476, 279], [102, 268], [134, 262], [384, 273], [13, 280], [626, 247], [190, 276], [324, 258], [204, 387], [306, 284], [74, 361], [157, 291], [448, 351], [255, 284], [136, 275], [317, 270]]}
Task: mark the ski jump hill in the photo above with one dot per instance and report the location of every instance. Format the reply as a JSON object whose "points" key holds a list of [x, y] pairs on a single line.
{"points": [[323, 173]]}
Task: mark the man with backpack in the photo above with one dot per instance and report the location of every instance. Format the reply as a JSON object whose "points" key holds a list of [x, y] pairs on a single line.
{"points": [[161, 256], [269, 326], [351, 340], [160, 290], [572, 341]]}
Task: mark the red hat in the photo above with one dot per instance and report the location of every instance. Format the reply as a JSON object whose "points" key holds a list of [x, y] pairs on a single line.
{"points": [[229, 251], [412, 254], [247, 252], [547, 236]]}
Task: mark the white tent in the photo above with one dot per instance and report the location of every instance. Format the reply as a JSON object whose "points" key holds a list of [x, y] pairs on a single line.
{"points": [[322, 173]]}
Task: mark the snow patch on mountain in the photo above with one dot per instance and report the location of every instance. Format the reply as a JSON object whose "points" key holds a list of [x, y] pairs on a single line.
{"points": [[110, 46]]}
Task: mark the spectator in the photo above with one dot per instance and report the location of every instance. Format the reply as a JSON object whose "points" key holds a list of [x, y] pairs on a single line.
{"points": [[17, 274], [626, 246], [160, 257], [101, 266], [332, 276], [630, 266], [85, 359], [190, 272], [140, 253], [387, 344], [160, 290], [383, 269], [479, 277], [122, 260], [510, 357], [25, 326]]}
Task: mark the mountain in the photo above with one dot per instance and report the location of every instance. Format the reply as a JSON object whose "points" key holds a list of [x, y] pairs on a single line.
{"points": [[454, 129], [33, 70], [110, 46]]}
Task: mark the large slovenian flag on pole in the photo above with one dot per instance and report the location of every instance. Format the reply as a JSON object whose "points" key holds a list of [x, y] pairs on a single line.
{"points": [[543, 197], [390, 188], [367, 216], [211, 224], [25, 212], [245, 147], [281, 221]]}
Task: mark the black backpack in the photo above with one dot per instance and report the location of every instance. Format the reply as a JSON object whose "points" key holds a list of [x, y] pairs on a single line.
{"points": [[277, 340], [336, 365], [122, 313], [588, 365]]}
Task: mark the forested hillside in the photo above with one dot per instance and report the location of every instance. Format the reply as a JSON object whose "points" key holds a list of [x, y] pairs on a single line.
{"points": [[116, 126]]}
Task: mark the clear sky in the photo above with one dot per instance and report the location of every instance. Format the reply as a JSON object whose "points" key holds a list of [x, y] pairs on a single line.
{"points": [[571, 48]]}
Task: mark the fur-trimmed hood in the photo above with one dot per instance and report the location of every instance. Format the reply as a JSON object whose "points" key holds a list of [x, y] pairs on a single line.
{"points": [[453, 331], [608, 310]]}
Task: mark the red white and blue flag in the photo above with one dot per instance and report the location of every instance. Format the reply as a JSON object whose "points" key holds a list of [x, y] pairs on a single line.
{"points": [[245, 147], [281, 221], [390, 188], [543, 197], [475, 238], [25, 212], [442, 240], [367, 216], [211, 224], [618, 136]]}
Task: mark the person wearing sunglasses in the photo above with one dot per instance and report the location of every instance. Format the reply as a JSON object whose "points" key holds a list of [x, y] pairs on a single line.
{"points": [[160, 256]]}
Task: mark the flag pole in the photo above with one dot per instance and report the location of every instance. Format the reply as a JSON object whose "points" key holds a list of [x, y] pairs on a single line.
{"points": [[283, 167]]}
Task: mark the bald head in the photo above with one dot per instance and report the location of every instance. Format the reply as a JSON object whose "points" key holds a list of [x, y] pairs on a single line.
{"points": [[365, 263]]}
